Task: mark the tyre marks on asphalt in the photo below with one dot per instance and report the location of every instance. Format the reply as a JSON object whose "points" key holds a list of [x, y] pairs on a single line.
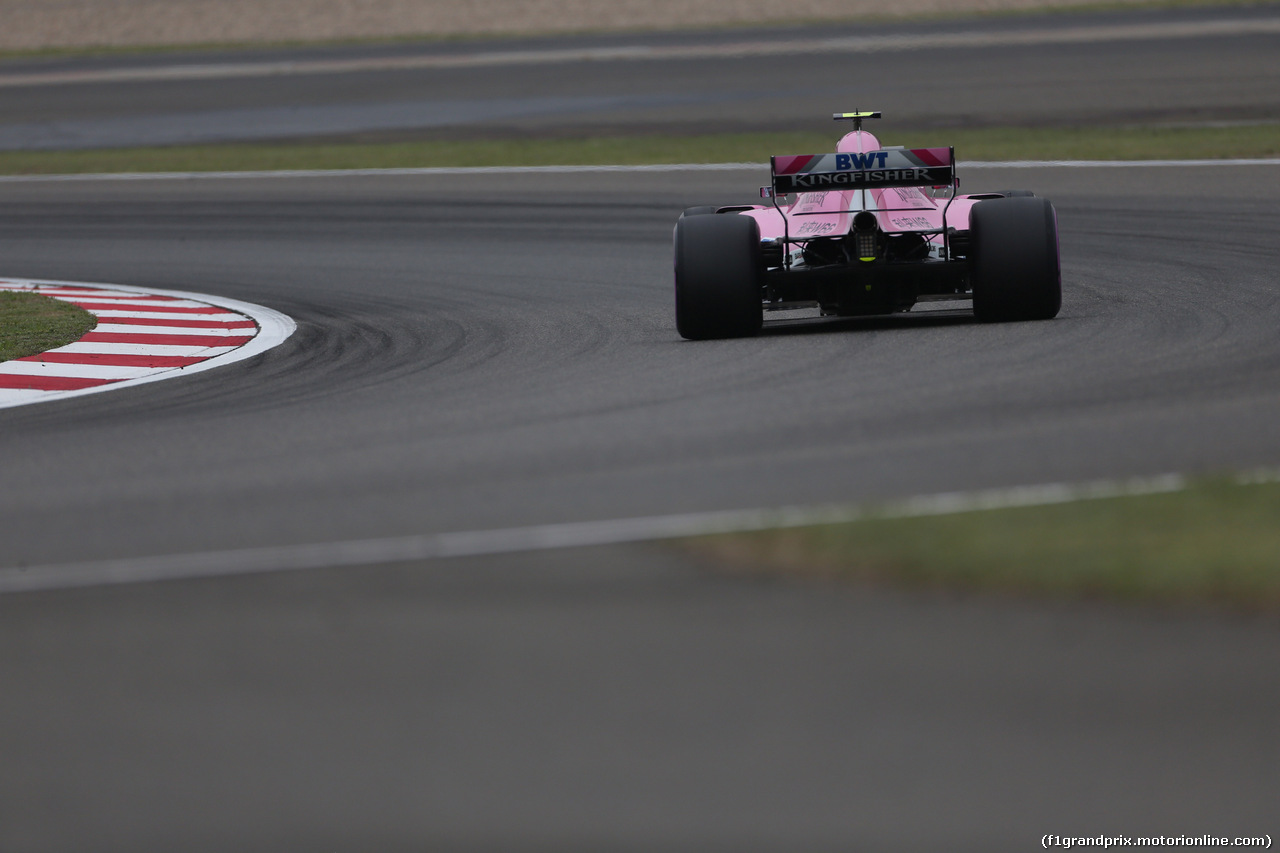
{"points": [[142, 335]]}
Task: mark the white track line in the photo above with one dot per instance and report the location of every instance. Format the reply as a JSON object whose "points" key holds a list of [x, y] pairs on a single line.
{"points": [[366, 552], [570, 170], [100, 348], [973, 40], [272, 328], [202, 331], [111, 374]]}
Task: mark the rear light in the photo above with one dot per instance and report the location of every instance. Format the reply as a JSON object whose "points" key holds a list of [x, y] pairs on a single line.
{"points": [[866, 236]]}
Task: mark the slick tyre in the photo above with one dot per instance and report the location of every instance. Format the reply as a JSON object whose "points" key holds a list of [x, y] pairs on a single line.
{"points": [[718, 273], [1014, 269]]}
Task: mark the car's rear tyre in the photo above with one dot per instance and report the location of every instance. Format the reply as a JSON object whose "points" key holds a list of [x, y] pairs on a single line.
{"points": [[700, 210], [1013, 253], [719, 275]]}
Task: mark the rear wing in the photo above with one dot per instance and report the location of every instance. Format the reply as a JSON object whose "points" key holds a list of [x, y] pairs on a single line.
{"points": [[895, 167]]}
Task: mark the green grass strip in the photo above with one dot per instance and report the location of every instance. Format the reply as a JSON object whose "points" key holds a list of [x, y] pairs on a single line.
{"points": [[31, 324], [1084, 143], [1215, 542]]}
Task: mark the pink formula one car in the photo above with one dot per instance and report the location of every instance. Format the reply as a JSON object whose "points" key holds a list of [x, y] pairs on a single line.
{"points": [[865, 230]]}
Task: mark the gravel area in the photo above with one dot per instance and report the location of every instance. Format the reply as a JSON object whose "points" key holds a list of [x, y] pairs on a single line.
{"points": [[34, 24]]}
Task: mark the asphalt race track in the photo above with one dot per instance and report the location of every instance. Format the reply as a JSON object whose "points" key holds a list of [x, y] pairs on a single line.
{"points": [[478, 351], [489, 351]]}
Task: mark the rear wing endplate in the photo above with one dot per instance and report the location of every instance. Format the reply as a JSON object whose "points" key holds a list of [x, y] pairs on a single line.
{"points": [[896, 167]]}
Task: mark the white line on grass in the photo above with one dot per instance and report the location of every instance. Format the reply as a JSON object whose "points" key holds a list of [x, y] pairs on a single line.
{"points": [[472, 543]]}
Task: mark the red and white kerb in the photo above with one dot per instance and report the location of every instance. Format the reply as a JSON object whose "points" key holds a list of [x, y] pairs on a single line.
{"points": [[142, 335]]}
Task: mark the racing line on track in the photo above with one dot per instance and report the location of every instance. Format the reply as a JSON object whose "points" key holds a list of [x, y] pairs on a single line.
{"points": [[143, 335]]}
